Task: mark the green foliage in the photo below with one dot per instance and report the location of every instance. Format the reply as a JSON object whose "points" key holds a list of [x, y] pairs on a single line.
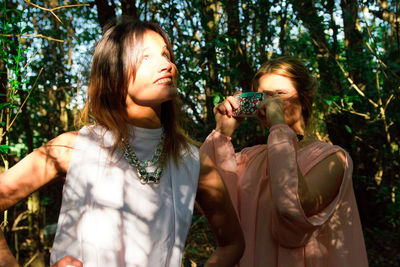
{"points": [[4, 149], [200, 242], [218, 98], [27, 125], [355, 106], [14, 58]]}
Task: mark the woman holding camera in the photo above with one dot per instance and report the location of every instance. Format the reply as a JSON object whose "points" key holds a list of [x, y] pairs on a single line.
{"points": [[293, 195]]}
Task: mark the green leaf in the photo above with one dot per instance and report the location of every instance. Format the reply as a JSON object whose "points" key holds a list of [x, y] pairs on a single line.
{"points": [[4, 149], [348, 129], [394, 147], [6, 105], [216, 99], [193, 250], [46, 201], [27, 29]]}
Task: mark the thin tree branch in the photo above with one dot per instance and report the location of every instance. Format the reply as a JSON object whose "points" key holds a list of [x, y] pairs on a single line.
{"points": [[376, 54], [51, 10], [352, 111], [32, 35], [32, 259], [28, 61], [388, 101], [19, 110], [353, 85], [66, 6]]}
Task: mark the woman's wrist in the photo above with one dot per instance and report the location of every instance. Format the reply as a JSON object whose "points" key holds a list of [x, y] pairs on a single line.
{"points": [[281, 133], [224, 131], [277, 120]]}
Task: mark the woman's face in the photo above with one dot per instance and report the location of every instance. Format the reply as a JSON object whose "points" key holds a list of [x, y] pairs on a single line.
{"points": [[156, 75], [285, 89]]}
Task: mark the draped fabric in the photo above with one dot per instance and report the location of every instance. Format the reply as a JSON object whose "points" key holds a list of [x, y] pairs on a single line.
{"points": [[108, 218], [263, 185]]}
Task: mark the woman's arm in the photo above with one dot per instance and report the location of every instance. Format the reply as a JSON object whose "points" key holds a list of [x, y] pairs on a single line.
{"points": [[296, 197], [319, 187], [214, 201], [40, 167], [6, 257], [302, 202], [220, 150], [316, 189]]}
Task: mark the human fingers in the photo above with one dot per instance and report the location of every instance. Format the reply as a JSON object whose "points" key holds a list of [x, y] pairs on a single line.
{"points": [[233, 104], [262, 114], [269, 93], [233, 101], [219, 109], [68, 261], [76, 262], [261, 109], [227, 106], [273, 99], [270, 110]]}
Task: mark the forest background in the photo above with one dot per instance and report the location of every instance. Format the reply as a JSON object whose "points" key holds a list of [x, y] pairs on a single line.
{"points": [[352, 47]]}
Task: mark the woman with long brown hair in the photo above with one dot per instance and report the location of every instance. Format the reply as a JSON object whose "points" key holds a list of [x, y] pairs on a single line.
{"points": [[294, 194], [131, 174]]}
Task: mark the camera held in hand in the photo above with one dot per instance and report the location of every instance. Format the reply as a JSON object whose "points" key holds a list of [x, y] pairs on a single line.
{"points": [[248, 104]]}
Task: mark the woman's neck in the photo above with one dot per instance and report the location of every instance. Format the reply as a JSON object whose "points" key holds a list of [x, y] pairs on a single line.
{"points": [[144, 117], [298, 127], [145, 123]]}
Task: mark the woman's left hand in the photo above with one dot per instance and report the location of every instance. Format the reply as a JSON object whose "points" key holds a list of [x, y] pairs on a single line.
{"points": [[270, 111]]}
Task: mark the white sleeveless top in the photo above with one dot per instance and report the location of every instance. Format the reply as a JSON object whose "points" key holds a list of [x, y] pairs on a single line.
{"points": [[108, 218]]}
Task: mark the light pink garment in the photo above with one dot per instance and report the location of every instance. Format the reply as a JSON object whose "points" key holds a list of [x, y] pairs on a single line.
{"points": [[262, 181]]}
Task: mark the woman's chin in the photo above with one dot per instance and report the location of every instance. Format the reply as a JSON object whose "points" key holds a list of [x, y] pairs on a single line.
{"points": [[172, 94], [167, 94], [152, 102]]}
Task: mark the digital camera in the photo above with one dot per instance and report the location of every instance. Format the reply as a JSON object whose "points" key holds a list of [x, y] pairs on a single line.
{"points": [[248, 104]]}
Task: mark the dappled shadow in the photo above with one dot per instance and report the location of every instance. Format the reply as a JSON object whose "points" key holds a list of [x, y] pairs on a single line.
{"points": [[334, 235], [108, 218]]}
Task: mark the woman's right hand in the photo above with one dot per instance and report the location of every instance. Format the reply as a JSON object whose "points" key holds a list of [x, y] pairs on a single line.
{"points": [[226, 123], [68, 261]]}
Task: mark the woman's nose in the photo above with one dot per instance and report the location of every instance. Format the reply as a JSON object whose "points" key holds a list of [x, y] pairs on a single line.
{"points": [[166, 64]]}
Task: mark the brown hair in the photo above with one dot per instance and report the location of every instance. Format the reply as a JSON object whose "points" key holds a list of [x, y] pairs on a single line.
{"points": [[115, 62], [292, 68]]}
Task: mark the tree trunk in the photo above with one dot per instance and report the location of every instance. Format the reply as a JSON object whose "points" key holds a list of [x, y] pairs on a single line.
{"points": [[308, 14], [353, 41], [105, 11], [282, 33], [238, 57], [129, 9], [209, 22]]}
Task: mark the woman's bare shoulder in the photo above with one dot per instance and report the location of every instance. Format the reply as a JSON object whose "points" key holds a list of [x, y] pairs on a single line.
{"points": [[59, 150], [66, 139]]}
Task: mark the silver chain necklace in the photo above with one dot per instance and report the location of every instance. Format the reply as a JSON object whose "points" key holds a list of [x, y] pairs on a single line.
{"points": [[148, 171]]}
